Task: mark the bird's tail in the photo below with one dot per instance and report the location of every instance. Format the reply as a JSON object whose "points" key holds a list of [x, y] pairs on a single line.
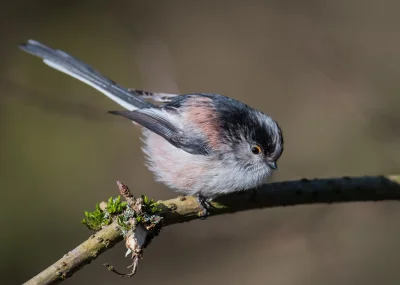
{"points": [[66, 63]]}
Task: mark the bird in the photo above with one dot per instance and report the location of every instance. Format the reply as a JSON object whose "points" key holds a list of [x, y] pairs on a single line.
{"points": [[200, 144]]}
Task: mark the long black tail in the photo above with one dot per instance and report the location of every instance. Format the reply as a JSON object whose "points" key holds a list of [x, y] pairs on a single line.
{"points": [[66, 63]]}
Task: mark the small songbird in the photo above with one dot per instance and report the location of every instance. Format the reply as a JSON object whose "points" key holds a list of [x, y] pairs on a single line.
{"points": [[198, 144]]}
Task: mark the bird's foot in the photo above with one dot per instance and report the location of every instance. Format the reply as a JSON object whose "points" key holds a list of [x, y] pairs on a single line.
{"points": [[205, 205]]}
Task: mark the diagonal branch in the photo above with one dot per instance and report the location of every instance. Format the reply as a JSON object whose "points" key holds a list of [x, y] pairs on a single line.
{"points": [[184, 209]]}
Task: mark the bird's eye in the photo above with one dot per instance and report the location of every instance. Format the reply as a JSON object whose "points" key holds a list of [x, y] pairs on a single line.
{"points": [[256, 149]]}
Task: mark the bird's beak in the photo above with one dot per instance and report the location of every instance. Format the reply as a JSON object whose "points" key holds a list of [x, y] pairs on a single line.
{"points": [[273, 165]]}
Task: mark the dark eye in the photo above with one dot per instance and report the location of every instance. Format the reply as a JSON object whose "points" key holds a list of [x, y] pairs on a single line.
{"points": [[256, 149]]}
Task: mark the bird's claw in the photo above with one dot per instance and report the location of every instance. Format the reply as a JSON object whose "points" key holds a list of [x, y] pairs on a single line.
{"points": [[205, 205]]}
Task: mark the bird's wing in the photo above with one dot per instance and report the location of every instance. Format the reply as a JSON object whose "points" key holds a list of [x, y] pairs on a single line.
{"points": [[156, 121]]}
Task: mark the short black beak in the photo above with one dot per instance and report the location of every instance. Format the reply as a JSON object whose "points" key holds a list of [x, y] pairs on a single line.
{"points": [[273, 165]]}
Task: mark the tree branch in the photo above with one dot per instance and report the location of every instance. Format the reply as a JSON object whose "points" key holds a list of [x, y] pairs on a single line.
{"points": [[184, 209]]}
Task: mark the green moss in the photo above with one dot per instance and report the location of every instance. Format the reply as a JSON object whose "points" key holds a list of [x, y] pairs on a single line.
{"points": [[150, 206], [149, 217], [115, 206], [97, 219]]}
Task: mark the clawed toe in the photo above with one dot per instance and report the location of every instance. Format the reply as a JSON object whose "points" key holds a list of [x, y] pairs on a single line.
{"points": [[205, 205]]}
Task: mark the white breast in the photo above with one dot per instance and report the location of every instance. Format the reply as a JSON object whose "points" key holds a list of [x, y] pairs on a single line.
{"points": [[195, 174]]}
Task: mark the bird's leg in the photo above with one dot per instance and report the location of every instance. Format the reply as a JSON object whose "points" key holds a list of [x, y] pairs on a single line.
{"points": [[204, 204]]}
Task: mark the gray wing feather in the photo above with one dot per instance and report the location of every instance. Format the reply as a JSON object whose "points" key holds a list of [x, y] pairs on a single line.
{"points": [[153, 121]]}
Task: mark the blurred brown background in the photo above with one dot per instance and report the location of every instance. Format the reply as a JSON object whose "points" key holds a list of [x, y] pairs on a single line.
{"points": [[326, 70]]}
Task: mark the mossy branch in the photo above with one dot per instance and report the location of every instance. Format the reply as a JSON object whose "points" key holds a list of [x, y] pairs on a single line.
{"points": [[184, 209]]}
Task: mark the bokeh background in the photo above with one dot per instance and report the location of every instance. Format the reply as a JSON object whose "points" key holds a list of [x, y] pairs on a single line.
{"points": [[328, 71]]}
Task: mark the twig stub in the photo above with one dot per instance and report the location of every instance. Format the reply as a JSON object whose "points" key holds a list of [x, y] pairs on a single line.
{"points": [[139, 224]]}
